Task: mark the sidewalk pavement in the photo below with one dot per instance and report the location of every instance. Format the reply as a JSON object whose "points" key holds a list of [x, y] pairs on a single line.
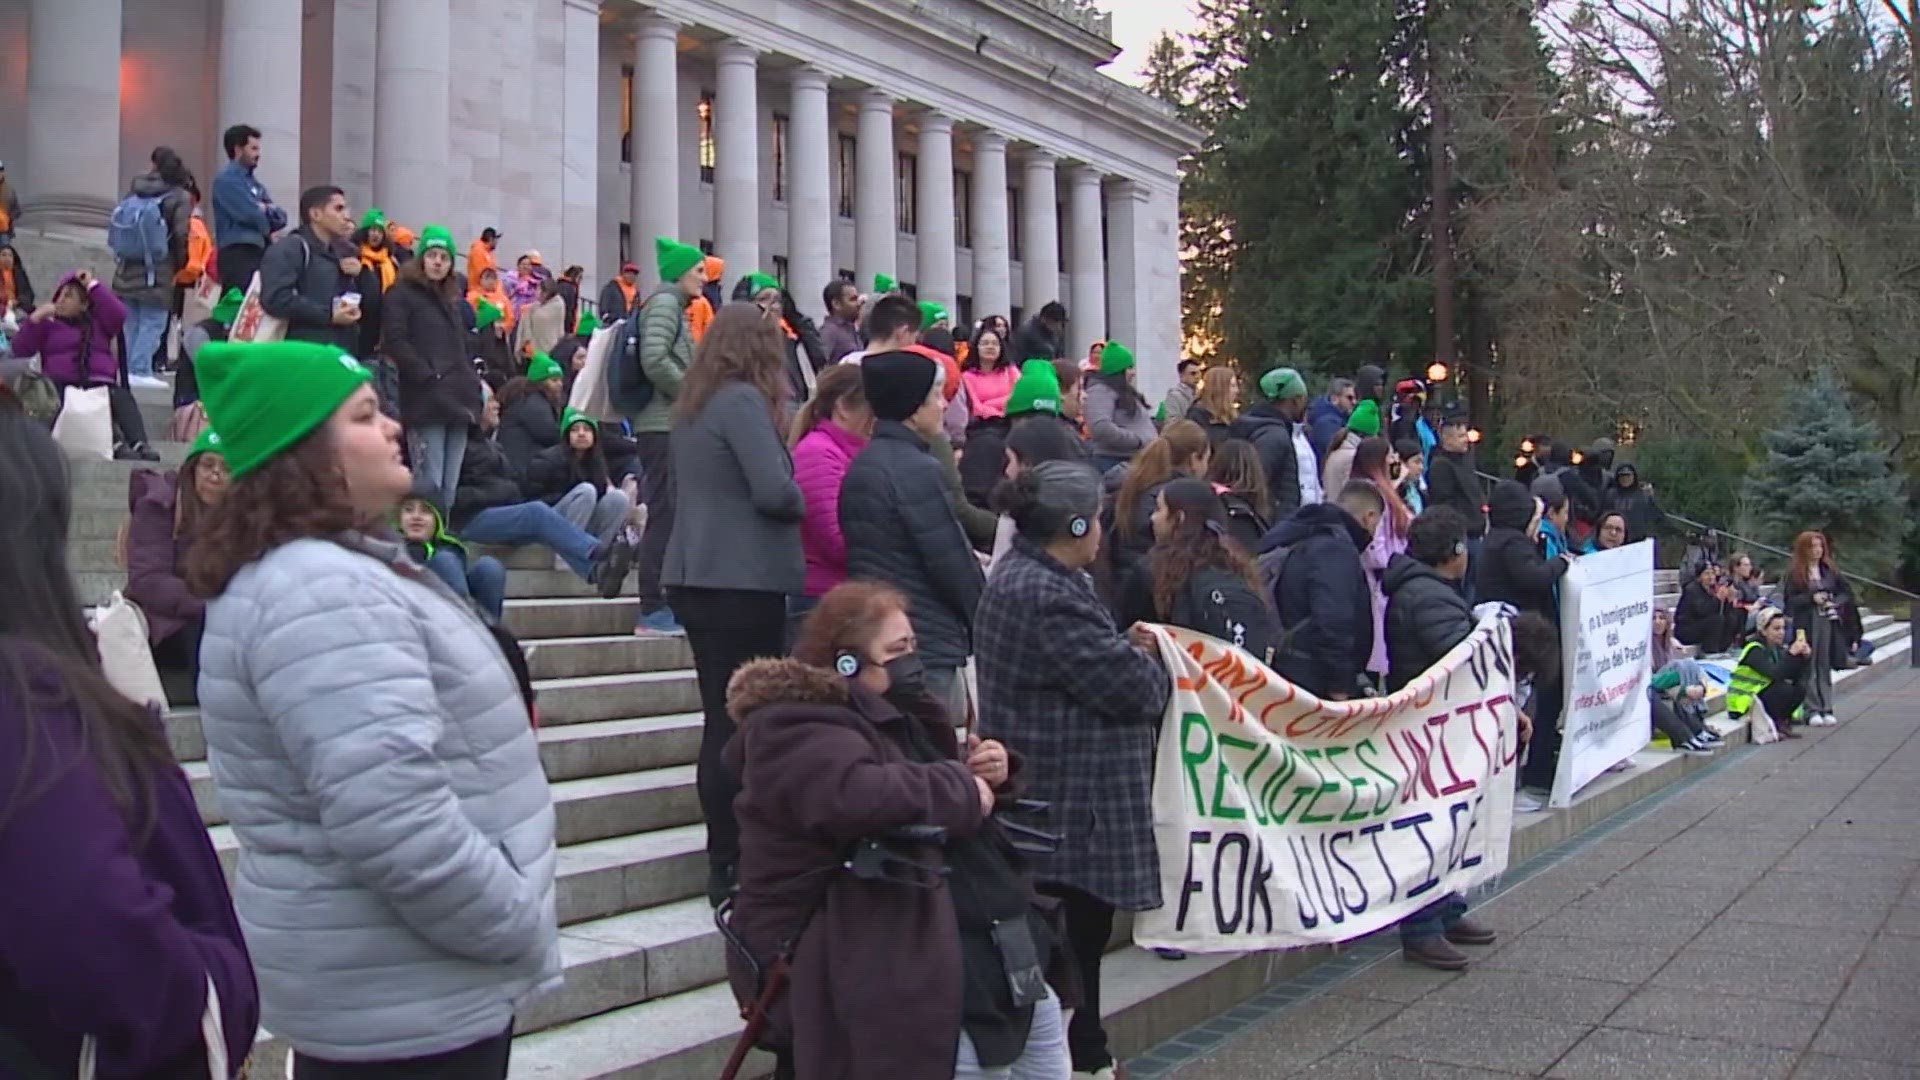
{"points": [[1759, 921]]}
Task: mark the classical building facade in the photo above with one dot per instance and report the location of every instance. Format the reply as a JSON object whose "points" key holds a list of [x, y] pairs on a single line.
{"points": [[971, 149]]}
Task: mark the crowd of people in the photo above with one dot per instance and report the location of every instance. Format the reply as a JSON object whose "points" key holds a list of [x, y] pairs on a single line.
{"points": [[874, 533]]}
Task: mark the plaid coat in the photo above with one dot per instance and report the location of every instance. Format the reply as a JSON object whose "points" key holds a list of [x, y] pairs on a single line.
{"points": [[1061, 685]]}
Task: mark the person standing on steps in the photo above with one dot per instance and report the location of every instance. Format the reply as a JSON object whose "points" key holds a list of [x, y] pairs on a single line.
{"points": [[1276, 429], [149, 236], [118, 919], [428, 341], [244, 215], [665, 343], [840, 334], [371, 741], [620, 296], [735, 553], [301, 277], [1813, 594]]}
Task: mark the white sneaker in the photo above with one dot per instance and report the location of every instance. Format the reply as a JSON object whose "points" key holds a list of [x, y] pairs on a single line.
{"points": [[1825, 719], [1528, 802], [147, 382]]}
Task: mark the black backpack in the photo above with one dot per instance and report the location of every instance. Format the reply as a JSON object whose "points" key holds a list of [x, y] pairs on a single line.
{"points": [[1221, 604], [627, 384]]}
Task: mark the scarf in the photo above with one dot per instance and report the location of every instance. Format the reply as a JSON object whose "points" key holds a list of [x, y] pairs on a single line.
{"points": [[8, 292], [381, 259]]}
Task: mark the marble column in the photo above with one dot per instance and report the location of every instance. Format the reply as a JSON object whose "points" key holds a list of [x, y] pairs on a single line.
{"points": [[1087, 296], [809, 187], [992, 275], [412, 80], [656, 140], [874, 226], [1039, 231], [72, 160], [350, 100], [736, 167], [1127, 318], [934, 213], [580, 138], [260, 85]]}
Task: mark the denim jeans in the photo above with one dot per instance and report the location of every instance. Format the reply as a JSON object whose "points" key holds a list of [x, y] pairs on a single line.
{"points": [[146, 332], [436, 451], [1045, 1056], [599, 513], [533, 523], [481, 578], [1434, 919]]}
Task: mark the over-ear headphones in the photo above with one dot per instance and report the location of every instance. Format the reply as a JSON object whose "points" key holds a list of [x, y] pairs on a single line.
{"points": [[1078, 526], [846, 663]]}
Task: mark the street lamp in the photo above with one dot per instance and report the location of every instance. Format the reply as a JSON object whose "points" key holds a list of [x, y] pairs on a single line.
{"points": [[1473, 435], [1437, 372]]}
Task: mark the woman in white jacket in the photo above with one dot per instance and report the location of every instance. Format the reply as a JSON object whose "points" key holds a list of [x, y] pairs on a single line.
{"points": [[369, 740]]}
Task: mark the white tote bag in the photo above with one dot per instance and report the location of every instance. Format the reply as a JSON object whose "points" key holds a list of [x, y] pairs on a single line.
{"points": [[85, 425], [120, 627], [590, 387], [212, 1029], [253, 323]]}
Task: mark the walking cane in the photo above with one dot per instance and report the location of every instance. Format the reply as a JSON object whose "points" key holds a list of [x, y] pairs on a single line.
{"points": [[756, 1015]]}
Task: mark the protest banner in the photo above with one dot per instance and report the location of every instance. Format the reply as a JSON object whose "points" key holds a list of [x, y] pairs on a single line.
{"points": [[1606, 629], [1283, 820]]}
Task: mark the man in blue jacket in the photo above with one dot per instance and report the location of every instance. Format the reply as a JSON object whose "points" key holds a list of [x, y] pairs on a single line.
{"points": [[244, 215]]}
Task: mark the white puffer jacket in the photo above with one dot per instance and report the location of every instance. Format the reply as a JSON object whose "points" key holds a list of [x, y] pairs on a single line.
{"points": [[373, 754]]}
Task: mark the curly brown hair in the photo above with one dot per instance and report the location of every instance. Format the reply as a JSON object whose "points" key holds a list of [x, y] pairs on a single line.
{"points": [[1199, 542], [847, 615], [741, 345], [295, 495]]}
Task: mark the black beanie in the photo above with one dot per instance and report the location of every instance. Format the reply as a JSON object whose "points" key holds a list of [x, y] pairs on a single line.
{"points": [[1510, 506], [1367, 381], [896, 384]]}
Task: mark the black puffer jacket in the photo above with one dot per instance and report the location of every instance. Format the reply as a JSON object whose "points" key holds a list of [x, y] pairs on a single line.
{"points": [[487, 480], [528, 426], [1454, 480], [1272, 436], [423, 334], [900, 528], [557, 470], [1635, 503], [1323, 599], [1126, 547], [1426, 618], [1512, 569]]}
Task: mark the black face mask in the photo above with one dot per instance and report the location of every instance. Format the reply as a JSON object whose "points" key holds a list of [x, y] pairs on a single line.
{"points": [[906, 676]]}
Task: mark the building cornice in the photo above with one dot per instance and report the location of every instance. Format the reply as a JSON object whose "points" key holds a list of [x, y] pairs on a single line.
{"points": [[922, 26]]}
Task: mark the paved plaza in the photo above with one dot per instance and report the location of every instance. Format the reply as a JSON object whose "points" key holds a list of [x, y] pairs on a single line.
{"points": [[1759, 921]]}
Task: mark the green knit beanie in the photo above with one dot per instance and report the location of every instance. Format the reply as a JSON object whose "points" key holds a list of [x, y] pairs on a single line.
{"points": [[571, 416], [1115, 358], [932, 314], [758, 283], [589, 322], [882, 285], [375, 218], [228, 309], [543, 367], [207, 443], [1365, 419], [435, 236], [1282, 383], [264, 397], [1036, 391], [674, 258], [487, 314]]}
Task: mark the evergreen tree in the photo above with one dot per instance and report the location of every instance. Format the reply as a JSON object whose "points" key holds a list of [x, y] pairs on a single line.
{"points": [[1828, 471], [1166, 71]]}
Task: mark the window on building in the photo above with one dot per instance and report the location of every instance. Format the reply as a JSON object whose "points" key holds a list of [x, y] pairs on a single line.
{"points": [[965, 312], [910, 290], [1013, 224], [708, 152], [626, 115], [780, 269], [1014, 319], [906, 192], [846, 275], [626, 243], [845, 166], [1060, 231], [706, 247], [962, 209], [780, 158]]}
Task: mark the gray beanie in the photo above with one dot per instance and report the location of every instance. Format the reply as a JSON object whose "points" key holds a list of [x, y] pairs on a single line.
{"points": [[1549, 489], [1051, 496]]}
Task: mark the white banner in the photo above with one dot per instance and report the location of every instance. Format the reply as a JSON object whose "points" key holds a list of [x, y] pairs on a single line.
{"points": [[1606, 628], [1284, 821]]}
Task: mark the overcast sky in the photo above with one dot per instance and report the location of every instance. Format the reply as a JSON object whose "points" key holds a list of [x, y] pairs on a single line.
{"points": [[1136, 23]]}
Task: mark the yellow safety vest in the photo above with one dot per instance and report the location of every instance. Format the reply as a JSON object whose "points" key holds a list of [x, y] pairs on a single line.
{"points": [[1746, 684]]}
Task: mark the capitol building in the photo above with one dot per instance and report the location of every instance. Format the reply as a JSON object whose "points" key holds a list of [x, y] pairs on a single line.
{"points": [[971, 149]]}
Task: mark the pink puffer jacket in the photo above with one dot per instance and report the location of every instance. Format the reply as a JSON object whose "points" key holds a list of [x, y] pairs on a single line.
{"points": [[820, 462]]}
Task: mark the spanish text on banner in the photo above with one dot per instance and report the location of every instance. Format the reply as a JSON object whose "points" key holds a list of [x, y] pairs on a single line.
{"points": [[1284, 821]]}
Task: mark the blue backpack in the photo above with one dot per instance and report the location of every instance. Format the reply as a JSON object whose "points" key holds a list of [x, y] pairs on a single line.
{"points": [[137, 233], [627, 384]]}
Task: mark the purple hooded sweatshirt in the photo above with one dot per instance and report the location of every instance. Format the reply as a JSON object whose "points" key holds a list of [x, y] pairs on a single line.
{"points": [[60, 342], [103, 933]]}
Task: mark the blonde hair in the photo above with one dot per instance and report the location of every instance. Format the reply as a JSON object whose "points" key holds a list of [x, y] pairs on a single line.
{"points": [[1217, 393], [1181, 443]]}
